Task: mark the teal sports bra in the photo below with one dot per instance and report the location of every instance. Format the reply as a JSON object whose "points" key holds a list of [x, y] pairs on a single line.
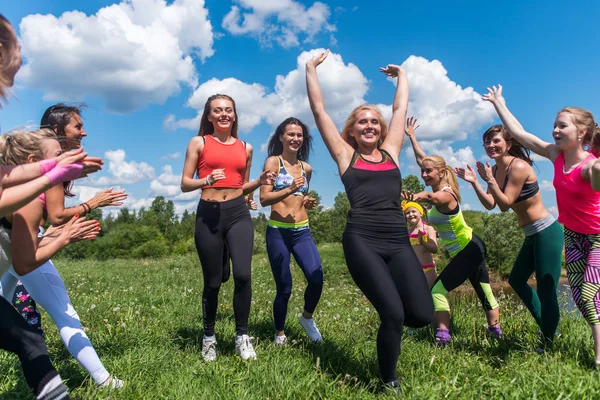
{"points": [[284, 180]]}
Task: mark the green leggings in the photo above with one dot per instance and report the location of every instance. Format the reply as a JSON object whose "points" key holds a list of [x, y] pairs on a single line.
{"points": [[541, 253]]}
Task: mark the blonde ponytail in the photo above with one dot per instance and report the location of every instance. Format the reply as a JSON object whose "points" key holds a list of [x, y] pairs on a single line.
{"points": [[440, 165]]}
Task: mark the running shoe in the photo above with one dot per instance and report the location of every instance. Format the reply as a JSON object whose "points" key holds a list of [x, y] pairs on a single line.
{"points": [[442, 337], [112, 383], [311, 329], [495, 332], [280, 340], [392, 388], [209, 348], [243, 346]]}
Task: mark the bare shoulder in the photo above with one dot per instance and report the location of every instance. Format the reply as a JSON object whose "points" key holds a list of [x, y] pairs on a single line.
{"points": [[271, 162], [196, 143], [307, 167]]}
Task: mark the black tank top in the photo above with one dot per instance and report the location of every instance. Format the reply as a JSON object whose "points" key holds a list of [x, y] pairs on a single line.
{"points": [[373, 190]]}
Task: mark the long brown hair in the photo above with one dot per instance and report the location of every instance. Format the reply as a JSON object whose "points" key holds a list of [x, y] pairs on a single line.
{"points": [[206, 127], [448, 173], [516, 149], [351, 120], [584, 120]]}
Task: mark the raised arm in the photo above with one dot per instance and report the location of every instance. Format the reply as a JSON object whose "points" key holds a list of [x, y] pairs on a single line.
{"points": [[515, 128], [395, 135], [469, 175], [411, 127], [340, 151]]}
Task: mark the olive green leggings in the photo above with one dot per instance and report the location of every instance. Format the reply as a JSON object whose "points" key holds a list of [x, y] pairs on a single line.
{"points": [[541, 253]]}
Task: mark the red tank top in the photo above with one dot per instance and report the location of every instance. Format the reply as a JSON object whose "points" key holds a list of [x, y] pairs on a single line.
{"points": [[230, 157]]}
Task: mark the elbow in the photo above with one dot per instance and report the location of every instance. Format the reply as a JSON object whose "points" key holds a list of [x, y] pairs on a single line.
{"points": [[489, 206], [57, 220], [23, 266], [264, 202], [184, 187], [503, 208]]}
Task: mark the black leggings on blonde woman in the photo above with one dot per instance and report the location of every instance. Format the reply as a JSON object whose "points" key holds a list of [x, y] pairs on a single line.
{"points": [[219, 224]]}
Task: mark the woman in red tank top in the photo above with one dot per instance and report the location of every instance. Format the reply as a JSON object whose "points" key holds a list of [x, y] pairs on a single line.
{"points": [[221, 163]]}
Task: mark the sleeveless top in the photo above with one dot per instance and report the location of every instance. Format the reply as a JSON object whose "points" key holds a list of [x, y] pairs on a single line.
{"points": [[284, 179], [578, 204], [527, 191], [231, 157], [453, 231], [414, 237], [373, 190]]}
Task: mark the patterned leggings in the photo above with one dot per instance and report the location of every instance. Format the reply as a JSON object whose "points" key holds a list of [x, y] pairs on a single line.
{"points": [[582, 253]]}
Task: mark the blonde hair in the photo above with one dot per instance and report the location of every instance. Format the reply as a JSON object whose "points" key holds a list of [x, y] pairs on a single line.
{"points": [[8, 41], [351, 120], [440, 164], [584, 120], [17, 146]]}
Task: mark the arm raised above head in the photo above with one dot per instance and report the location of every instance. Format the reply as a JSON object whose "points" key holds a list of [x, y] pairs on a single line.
{"points": [[411, 127], [514, 127], [395, 136], [340, 151]]}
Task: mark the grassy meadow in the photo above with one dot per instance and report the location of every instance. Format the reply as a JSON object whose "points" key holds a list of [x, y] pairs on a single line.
{"points": [[144, 318]]}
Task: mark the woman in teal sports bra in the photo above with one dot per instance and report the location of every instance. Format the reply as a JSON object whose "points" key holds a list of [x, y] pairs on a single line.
{"points": [[541, 251]]}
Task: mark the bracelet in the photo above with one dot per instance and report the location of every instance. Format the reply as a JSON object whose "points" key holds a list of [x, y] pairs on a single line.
{"points": [[88, 209], [208, 180]]}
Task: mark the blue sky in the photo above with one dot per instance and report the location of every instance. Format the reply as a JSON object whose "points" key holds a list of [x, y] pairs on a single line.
{"points": [[145, 68]]}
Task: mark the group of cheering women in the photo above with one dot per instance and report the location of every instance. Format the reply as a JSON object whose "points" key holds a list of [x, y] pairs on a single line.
{"points": [[388, 242]]}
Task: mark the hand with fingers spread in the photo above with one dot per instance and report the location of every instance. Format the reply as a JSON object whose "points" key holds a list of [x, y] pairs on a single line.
{"points": [[215, 175], [494, 95], [267, 177], [467, 174], [317, 60], [108, 197], [485, 171], [408, 195], [78, 229], [309, 202], [411, 126], [392, 70]]}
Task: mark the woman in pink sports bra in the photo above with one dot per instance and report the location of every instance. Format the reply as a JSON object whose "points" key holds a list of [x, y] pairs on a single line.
{"points": [[577, 182], [423, 238]]}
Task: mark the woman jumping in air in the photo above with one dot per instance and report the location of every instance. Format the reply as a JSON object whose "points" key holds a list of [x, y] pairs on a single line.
{"points": [[512, 184], [574, 154], [376, 244], [287, 230], [465, 248], [222, 163]]}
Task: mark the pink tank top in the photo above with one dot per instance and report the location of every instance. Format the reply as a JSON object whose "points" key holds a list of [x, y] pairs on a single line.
{"points": [[578, 204]]}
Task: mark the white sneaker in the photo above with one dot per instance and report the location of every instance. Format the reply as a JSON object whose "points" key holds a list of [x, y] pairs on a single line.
{"points": [[112, 383], [243, 346], [280, 340], [209, 348], [311, 329]]}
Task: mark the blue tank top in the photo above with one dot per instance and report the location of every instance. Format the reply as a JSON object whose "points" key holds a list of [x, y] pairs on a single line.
{"points": [[284, 180]]}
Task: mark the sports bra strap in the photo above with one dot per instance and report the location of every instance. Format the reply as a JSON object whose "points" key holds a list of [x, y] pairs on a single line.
{"points": [[451, 192]]}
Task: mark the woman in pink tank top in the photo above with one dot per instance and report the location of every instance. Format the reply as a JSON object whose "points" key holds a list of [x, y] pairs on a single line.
{"points": [[574, 154]]}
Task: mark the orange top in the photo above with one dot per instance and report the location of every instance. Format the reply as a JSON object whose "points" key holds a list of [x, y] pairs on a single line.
{"points": [[231, 157]]}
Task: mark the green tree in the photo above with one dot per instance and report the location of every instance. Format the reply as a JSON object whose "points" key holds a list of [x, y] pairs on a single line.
{"points": [[412, 184]]}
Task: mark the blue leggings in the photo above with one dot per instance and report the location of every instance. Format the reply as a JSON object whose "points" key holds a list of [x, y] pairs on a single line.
{"points": [[280, 243]]}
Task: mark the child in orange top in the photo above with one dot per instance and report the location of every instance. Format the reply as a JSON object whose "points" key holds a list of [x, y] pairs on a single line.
{"points": [[423, 238]]}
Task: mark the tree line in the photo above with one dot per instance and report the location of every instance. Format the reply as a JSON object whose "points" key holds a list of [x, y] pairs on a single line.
{"points": [[157, 231]]}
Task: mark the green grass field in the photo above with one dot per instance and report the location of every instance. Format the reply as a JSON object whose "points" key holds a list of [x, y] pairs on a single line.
{"points": [[144, 318]]}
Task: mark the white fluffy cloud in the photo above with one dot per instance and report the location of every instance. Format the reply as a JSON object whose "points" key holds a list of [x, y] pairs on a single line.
{"points": [[454, 158], [547, 186], [280, 21], [171, 156], [344, 87], [445, 110], [122, 172], [129, 54]]}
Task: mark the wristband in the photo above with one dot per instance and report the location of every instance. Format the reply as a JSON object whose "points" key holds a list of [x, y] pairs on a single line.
{"points": [[47, 165], [62, 173]]}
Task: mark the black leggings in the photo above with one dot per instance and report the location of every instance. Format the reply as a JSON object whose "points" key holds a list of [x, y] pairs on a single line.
{"points": [[18, 337], [219, 224], [390, 275], [469, 264]]}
